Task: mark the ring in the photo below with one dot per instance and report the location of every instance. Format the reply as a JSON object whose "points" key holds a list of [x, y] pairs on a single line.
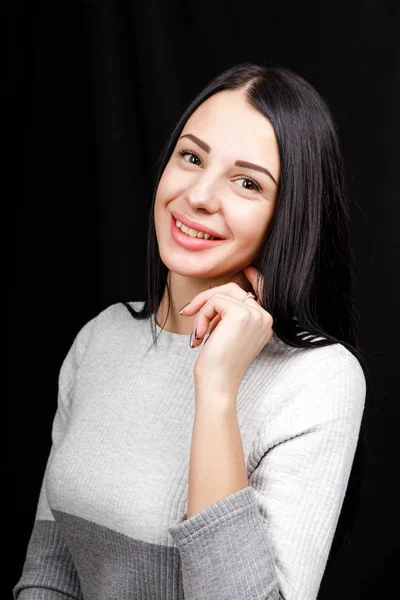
{"points": [[248, 295]]}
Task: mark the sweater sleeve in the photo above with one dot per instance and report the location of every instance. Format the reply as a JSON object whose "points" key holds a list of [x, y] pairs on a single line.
{"points": [[48, 572], [271, 540]]}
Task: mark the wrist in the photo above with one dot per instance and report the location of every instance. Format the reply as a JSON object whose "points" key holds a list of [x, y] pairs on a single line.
{"points": [[215, 399]]}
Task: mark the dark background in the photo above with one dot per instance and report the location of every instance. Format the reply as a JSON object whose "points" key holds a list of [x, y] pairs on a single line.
{"points": [[93, 89]]}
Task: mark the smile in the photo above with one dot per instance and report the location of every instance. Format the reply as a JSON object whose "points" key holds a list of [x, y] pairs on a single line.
{"points": [[192, 239], [193, 232]]}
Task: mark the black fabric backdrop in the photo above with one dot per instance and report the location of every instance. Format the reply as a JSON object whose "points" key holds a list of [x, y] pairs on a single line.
{"points": [[93, 90]]}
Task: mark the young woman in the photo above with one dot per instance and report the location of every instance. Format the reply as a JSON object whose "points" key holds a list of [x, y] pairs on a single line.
{"points": [[212, 461]]}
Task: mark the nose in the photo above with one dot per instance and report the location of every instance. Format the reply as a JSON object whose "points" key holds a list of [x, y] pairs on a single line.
{"points": [[204, 192]]}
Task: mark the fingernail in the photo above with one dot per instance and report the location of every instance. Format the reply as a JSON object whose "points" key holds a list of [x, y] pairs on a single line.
{"points": [[190, 341], [183, 307], [195, 334]]}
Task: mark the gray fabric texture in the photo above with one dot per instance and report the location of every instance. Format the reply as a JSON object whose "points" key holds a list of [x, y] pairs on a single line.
{"points": [[110, 520]]}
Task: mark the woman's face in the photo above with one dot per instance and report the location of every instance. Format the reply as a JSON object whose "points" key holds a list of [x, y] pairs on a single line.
{"points": [[205, 186]]}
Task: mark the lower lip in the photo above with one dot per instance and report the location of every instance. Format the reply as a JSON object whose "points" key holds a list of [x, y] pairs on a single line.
{"points": [[189, 242]]}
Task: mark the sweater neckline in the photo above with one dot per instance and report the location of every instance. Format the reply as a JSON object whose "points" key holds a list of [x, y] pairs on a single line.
{"points": [[169, 341], [171, 334], [182, 339], [170, 338]]}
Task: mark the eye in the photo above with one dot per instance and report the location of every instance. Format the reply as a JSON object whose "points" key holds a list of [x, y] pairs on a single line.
{"points": [[185, 152], [256, 188]]}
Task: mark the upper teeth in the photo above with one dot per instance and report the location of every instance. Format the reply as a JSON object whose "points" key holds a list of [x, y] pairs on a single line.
{"points": [[194, 232]]}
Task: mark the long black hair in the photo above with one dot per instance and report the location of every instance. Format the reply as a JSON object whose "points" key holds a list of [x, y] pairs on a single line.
{"points": [[307, 261]]}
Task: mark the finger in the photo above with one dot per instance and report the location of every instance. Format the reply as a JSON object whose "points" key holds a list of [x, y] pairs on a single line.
{"points": [[217, 306], [213, 325], [232, 289], [197, 341]]}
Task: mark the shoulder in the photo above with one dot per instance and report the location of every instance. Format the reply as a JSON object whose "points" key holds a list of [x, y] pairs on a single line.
{"points": [[320, 361], [113, 313], [331, 380], [329, 367], [98, 334], [103, 324], [331, 360], [323, 375]]}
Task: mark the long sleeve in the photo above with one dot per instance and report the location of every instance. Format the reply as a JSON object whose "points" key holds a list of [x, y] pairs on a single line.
{"points": [[271, 540], [49, 572]]}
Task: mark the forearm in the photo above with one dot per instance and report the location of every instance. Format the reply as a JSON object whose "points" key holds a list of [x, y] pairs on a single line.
{"points": [[217, 467]]}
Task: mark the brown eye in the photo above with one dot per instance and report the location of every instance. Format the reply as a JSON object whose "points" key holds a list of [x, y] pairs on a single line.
{"points": [[192, 155], [255, 187]]}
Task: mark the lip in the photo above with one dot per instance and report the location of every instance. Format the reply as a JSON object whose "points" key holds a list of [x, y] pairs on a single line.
{"points": [[193, 225], [188, 242]]}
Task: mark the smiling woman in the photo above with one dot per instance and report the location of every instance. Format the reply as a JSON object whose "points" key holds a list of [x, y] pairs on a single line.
{"points": [[182, 470], [215, 182]]}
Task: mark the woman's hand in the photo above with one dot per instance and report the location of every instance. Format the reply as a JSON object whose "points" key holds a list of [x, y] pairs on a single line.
{"points": [[238, 333]]}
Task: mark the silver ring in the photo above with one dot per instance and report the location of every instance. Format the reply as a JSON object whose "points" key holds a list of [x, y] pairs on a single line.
{"points": [[248, 295]]}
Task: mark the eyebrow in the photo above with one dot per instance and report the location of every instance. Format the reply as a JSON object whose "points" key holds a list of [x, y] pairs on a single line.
{"points": [[240, 163]]}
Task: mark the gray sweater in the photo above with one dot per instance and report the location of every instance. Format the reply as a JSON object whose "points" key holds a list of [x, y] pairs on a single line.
{"points": [[110, 521]]}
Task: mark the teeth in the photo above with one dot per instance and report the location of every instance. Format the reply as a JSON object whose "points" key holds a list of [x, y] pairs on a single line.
{"points": [[193, 232]]}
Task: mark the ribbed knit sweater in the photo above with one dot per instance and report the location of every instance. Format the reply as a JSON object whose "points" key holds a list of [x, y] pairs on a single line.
{"points": [[110, 521]]}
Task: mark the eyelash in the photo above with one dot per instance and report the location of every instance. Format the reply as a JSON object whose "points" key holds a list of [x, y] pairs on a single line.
{"points": [[258, 187]]}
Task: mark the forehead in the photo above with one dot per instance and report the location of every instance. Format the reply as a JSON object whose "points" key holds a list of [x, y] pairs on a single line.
{"points": [[226, 120]]}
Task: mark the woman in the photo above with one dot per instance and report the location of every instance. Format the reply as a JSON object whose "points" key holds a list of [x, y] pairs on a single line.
{"points": [[212, 461]]}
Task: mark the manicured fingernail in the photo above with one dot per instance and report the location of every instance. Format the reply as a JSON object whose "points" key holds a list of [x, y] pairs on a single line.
{"points": [[195, 334], [190, 341], [183, 308]]}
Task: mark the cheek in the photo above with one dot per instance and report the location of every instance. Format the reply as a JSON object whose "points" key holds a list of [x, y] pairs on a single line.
{"points": [[249, 229], [161, 190], [168, 187]]}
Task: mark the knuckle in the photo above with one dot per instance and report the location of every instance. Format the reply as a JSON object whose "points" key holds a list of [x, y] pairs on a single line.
{"points": [[259, 318], [244, 316], [269, 320], [234, 286]]}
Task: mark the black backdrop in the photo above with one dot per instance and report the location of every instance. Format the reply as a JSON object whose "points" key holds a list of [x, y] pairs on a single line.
{"points": [[93, 90]]}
